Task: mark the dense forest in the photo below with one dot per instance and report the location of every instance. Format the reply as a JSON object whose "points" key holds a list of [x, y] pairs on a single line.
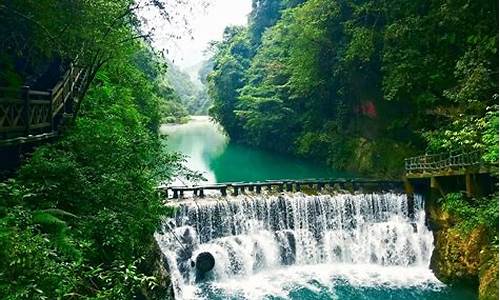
{"points": [[361, 85], [78, 218], [192, 94]]}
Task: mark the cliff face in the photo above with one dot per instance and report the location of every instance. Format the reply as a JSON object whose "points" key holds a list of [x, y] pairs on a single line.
{"points": [[155, 265], [463, 258]]}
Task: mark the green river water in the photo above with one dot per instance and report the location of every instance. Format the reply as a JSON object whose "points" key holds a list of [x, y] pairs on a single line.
{"points": [[209, 151]]}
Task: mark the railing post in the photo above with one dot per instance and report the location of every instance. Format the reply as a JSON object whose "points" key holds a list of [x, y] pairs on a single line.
{"points": [[51, 109], [26, 109], [469, 187]]}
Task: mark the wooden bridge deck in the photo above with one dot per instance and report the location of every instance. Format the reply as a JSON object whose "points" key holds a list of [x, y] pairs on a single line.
{"points": [[28, 115], [178, 192]]}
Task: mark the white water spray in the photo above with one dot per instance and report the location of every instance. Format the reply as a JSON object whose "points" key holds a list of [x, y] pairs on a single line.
{"points": [[254, 235]]}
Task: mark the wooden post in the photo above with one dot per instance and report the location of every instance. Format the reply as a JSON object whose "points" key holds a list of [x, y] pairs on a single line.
{"points": [[408, 186], [235, 190], [289, 187], [434, 183], [176, 194], [68, 82], [26, 109], [223, 191], [258, 189], [435, 186], [201, 194], [469, 187]]}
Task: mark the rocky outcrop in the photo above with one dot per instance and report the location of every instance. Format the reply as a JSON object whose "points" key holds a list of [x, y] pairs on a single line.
{"points": [[463, 258], [488, 274], [156, 265]]}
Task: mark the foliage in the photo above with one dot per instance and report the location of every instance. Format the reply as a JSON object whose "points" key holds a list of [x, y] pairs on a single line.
{"points": [[316, 78], [191, 94], [79, 218], [473, 213]]}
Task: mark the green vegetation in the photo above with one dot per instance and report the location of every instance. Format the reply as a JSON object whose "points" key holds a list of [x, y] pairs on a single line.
{"points": [[192, 94], [79, 218], [473, 213], [77, 221], [361, 84]]}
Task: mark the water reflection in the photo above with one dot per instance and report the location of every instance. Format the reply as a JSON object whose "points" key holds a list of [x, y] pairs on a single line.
{"points": [[210, 152]]}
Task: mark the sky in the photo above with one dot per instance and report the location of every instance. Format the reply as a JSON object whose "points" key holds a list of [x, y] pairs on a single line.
{"points": [[206, 20]]}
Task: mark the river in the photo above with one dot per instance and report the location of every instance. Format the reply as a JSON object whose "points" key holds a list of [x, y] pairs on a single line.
{"points": [[210, 152]]}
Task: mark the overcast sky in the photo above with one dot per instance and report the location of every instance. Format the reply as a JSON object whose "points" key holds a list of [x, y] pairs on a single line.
{"points": [[206, 24]]}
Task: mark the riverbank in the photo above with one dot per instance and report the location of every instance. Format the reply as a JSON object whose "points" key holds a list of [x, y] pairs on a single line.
{"points": [[466, 243]]}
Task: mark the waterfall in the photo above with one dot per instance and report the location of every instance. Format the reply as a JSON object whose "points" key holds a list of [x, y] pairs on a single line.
{"points": [[250, 234]]}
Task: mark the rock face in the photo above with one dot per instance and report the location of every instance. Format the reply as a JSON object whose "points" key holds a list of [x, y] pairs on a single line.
{"points": [[156, 265], [488, 274], [463, 258]]}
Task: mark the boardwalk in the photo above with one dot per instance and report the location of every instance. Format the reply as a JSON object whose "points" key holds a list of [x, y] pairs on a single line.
{"points": [[28, 115], [447, 164], [456, 171]]}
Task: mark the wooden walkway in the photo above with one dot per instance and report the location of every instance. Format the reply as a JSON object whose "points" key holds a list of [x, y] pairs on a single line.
{"points": [[236, 188], [447, 164], [28, 115]]}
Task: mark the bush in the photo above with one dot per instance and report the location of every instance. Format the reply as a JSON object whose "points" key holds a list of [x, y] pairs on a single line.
{"points": [[472, 213], [80, 216]]}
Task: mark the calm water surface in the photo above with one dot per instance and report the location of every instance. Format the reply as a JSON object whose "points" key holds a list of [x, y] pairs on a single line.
{"points": [[209, 151]]}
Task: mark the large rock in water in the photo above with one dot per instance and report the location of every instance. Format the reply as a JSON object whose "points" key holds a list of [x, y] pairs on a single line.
{"points": [[205, 262]]}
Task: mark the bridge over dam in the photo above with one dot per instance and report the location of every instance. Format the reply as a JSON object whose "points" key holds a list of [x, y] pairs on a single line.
{"points": [[303, 185]]}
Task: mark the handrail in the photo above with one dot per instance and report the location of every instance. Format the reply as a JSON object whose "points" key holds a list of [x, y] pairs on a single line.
{"points": [[442, 161], [27, 114]]}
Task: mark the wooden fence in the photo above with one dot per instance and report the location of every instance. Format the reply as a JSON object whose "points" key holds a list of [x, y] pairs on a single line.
{"points": [[28, 115], [442, 162]]}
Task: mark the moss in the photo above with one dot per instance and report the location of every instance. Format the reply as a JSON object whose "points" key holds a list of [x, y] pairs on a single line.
{"points": [[456, 258], [155, 264], [463, 258], [488, 274], [378, 158], [308, 190]]}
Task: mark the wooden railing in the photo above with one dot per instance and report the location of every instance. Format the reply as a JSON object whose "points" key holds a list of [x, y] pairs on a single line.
{"points": [[27, 115], [442, 162]]}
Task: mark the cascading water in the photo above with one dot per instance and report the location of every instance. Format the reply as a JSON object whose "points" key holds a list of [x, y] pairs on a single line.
{"points": [[293, 246]]}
